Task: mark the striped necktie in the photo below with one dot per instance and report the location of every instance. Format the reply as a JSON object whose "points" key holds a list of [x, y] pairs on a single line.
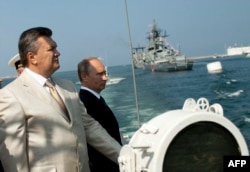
{"points": [[56, 96]]}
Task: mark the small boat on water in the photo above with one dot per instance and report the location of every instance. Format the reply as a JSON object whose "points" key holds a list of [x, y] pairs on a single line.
{"points": [[159, 55], [112, 81]]}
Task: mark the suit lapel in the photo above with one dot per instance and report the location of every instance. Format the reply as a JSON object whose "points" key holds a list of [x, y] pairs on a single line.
{"points": [[32, 87]]}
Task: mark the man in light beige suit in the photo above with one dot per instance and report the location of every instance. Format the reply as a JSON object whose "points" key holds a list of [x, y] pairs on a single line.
{"points": [[36, 135]]}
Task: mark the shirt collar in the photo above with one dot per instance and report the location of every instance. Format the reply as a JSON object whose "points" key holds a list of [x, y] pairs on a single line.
{"points": [[39, 78]]}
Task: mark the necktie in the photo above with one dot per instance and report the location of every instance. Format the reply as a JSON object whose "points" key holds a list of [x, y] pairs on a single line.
{"points": [[55, 95]]}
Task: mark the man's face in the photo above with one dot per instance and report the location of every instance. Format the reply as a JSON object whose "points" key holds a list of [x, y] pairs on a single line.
{"points": [[19, 70], [97, 77], [46, 60]]}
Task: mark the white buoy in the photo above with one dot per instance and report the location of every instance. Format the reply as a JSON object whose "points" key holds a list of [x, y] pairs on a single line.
{"points": [[214, 67]]}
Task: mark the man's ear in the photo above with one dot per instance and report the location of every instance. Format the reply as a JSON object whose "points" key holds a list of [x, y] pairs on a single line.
{"points": [[31, 58], [84, 77]]}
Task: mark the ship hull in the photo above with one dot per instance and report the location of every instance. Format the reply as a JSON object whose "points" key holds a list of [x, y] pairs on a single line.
{"points": [[166, 67]]}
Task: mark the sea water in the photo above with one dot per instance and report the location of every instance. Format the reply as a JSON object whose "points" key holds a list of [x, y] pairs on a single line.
{"points": [[158, 92], [154, 93]]}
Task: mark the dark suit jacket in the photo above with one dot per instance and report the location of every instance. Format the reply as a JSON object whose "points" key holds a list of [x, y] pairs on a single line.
{"points": [[106, 118], [1, 167]]}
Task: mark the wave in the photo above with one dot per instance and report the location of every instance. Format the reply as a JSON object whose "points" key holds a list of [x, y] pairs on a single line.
{"points": [[223, 94], [231, 81], [247, 120], [235, 94]]}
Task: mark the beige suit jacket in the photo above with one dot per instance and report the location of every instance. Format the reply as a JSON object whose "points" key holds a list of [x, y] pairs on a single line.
{"points": [[36, 136]]}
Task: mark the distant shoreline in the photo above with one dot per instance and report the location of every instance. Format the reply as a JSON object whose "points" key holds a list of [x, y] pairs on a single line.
{"points": [[7, 77]]}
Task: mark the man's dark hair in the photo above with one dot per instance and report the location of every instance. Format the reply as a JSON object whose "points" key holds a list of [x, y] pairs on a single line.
{"points": [[84, 66], [28, 41]]}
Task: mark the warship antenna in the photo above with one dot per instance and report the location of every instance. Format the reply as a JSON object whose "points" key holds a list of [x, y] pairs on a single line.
{"points": [[133, 72]]}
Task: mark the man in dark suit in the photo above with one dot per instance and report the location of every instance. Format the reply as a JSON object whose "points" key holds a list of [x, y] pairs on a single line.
{"points": [[93, 77]]}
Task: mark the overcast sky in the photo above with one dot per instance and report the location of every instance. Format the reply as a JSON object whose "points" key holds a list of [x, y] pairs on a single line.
{"points": [[85, 28]]}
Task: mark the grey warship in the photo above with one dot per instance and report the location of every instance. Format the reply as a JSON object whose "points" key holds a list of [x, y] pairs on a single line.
{"points": [[159, 55]]}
